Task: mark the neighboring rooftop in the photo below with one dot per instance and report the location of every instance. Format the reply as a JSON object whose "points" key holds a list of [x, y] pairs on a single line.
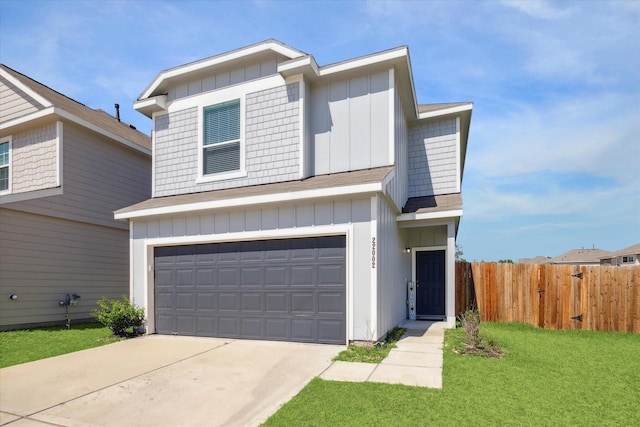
{"points": [[631, 250], [577, 256], [97, 118], [535, 260]]}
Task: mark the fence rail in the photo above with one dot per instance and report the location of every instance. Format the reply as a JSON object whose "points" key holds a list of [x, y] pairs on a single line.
{"points": [[602, 298]]}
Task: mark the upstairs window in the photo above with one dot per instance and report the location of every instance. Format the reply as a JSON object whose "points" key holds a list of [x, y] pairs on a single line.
{"points": [[5, 146], [221, 144]]}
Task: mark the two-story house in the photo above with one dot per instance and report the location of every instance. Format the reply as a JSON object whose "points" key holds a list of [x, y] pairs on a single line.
{"points": [[64, 169], [297, 202]]}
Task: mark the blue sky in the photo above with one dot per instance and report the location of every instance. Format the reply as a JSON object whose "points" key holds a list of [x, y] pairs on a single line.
{"points": [[554, 151]]}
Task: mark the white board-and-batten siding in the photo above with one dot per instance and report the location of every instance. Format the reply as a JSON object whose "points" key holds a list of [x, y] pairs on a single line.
{"points": [[223, 79], [43, 258], [14, 102], [295, 220], [349, 124]]}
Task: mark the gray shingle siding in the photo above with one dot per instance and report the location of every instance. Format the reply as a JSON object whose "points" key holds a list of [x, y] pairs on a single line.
{"points": [[271, 144], [432, 159]]}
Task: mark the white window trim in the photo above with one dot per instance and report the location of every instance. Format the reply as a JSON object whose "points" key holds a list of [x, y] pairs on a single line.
{"points": [[8, 139]]}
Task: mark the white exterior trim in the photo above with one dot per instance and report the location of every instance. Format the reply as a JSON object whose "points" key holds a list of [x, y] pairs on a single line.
{"points": [[9, 166], [365, 61], [392, 117], [446, 111], [427, 216], [43, 101], [312, 231], [29, 117], [373, 277], [254, 200], [59, 153], [458, 156], [218, 60]]}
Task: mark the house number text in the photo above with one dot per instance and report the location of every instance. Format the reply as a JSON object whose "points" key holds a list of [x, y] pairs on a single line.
{"points": [[373, 252]]}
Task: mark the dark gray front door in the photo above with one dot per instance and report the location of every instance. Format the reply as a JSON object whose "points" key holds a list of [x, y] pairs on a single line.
{"points": [[283, 290], [430, 283]]}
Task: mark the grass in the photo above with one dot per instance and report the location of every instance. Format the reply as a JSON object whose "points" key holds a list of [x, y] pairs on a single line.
{"points": [[548, 378], [371, 352], [33, 344]]}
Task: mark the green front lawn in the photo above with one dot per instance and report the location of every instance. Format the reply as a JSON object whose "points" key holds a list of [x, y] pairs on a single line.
{"points": [[33, 344], [555, 378]]}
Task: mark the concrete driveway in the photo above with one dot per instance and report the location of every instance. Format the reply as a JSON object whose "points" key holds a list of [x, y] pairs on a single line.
{"points": [[161, 380]]}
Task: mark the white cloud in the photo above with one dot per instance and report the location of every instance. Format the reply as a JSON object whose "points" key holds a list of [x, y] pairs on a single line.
{"points": [[536, 8]]}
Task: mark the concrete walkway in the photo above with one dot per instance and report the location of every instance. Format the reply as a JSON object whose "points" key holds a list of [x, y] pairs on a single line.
{"points": [[417, 361]]}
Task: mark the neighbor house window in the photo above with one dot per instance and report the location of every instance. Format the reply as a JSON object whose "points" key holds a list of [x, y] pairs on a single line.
{"points": [[629, 258], [221, 134], [5, 147]]}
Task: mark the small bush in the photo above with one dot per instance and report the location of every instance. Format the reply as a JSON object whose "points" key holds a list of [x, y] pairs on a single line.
{"points": [[474, 344], [119, 315]]}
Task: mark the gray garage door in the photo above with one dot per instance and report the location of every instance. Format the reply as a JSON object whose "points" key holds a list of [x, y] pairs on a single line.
{"points": [[284, 290]]}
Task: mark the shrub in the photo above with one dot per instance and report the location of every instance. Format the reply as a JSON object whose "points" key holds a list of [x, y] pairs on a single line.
{"points": [[475, 344], [118, 315]]}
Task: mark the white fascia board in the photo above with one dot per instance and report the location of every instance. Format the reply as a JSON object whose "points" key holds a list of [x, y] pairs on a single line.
{"points": [[151, 105], [455, 213], [43, 101], [364, 61], [217, 60], [99, 130], [298, 65], [446, 111], [49, 111], [255, 200]]}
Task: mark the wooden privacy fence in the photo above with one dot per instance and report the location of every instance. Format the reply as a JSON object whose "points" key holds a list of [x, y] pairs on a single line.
{"points": [[602, 298]]}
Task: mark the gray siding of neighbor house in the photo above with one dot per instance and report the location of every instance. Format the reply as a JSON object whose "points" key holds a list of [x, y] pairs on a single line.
{"points": [[15, 103], [34, 159], [265, 68], [229, 226], [271, 144], [43, 258], [433, 165], [350, 124], [99, 177]]}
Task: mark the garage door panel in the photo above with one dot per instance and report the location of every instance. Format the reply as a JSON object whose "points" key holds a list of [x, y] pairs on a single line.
{"points": [[185, 301], [206, 325], [251, 276], [229, 326], [228, 277], [228, 301], [302, 302], [302, 330], [276, 276], [276, 329], [285, 290], [276, 302], [303, 275], [331, 275], [206, 301], [330, 302], [252, 301], [252, 327], [185, 324], [185, 277]]}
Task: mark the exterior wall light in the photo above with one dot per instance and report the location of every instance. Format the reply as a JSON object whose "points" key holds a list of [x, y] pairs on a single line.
{"points": [[407, 250], [13, 297]]}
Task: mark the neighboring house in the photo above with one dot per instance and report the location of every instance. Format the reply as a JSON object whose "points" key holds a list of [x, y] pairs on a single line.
{"points": [[64, 169], [581, 257], [296, 202], [626, 257], [535, 260]]}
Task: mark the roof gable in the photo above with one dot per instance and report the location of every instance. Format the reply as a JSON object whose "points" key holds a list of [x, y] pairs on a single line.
{"points": [[76, 111]]}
